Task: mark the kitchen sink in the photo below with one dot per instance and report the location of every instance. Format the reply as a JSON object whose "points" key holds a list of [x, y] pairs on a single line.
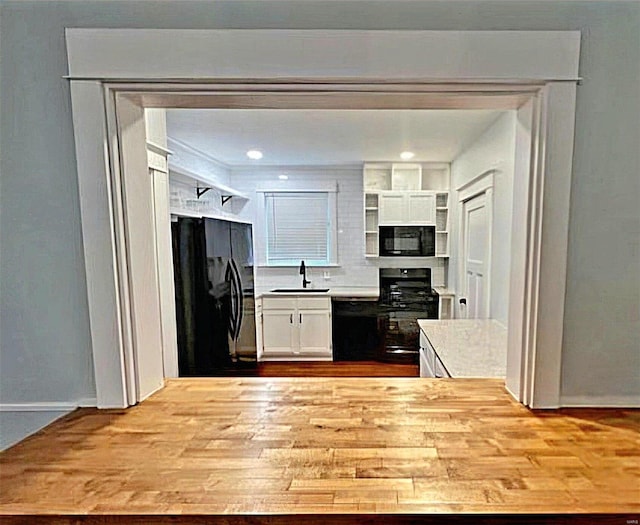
{"points": [[300, 290]]}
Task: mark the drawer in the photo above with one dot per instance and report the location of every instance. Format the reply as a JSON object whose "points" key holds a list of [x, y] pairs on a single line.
{"points": [[314, 303], [278, 303]]}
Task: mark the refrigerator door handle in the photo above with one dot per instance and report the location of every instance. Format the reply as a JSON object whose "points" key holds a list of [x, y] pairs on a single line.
{"points": [[233, 314], [237, 284]]}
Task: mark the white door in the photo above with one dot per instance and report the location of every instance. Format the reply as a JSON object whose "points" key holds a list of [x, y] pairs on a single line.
{"points": [[476, 239], [422, 208], [315, 332], [277, 332]]}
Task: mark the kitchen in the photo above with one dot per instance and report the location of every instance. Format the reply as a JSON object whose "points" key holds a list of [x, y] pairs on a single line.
{"points": [[351, 164]]}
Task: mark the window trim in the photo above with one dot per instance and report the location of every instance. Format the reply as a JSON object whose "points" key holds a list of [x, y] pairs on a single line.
{"points": [[331, 188]]}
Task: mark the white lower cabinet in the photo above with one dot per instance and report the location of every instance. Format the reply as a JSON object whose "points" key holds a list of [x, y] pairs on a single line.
{"points": [[430, 363], [426, 363], [296, 328], [277, 332]]}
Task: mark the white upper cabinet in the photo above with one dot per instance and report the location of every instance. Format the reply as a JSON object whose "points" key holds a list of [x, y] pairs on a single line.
{"points": [[405, 194], [421, 208], [392, 207], [407, 208]]}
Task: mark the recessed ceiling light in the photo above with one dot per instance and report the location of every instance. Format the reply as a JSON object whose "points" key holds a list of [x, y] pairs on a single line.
{"points": [[407, 155], [283, 177], [254, 154]]}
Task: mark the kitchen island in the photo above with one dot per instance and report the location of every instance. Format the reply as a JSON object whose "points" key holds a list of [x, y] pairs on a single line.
{"points": [[462, 348]]}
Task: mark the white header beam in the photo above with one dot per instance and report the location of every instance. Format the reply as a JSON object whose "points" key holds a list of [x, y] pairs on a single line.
{"points": [[321, 54]]}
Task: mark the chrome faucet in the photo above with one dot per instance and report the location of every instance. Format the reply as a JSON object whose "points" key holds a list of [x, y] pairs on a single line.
{"points": [[303, 272]]}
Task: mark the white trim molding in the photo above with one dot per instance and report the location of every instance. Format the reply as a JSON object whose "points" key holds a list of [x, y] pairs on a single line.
{"points": [[600, 402], [48, 406], [321, 54], [477, 185], [361, 68], [157, 148]]}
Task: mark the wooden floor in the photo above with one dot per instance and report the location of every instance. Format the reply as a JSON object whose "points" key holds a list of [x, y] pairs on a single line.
{"points": [[327, 446], [336, 369]]}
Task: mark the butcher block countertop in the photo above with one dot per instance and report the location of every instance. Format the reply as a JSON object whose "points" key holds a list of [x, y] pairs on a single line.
{"points": [[468, 347]]}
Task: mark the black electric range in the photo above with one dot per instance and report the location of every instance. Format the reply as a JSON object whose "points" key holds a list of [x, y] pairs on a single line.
{"points": [[406, 295]]}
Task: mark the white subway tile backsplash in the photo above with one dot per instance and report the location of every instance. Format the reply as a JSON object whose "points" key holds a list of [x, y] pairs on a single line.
{"points": [[354, 269]]}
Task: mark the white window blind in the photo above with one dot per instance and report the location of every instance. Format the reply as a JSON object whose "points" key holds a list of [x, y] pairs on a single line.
{"points": [[298, 227]]}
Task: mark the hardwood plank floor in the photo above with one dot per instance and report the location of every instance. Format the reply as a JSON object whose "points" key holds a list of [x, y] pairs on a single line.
{"points": [[344, 446], [336, 369]]}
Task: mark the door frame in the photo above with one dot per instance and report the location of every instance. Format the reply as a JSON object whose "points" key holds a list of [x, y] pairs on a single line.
{"points": [[106, 65], [479, 185]]}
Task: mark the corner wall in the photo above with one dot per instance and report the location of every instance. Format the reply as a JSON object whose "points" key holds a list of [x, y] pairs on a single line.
{"points": [[493, 149]]}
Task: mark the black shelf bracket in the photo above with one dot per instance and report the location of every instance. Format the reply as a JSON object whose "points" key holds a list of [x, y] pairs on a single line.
{"points": [[225, 199], [201, 191]]}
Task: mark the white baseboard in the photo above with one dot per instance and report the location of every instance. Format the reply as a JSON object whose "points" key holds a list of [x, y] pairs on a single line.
{"points": [[48, 406], [600, 401], [515, 397], [38, 407], [87, 402], [160, 387]]}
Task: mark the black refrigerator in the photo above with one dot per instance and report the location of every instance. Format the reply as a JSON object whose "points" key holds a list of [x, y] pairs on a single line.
{"points": [[215, 307]]}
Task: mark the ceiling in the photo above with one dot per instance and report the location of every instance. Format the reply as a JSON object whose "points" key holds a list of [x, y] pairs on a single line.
{"points": [[327, 137]]}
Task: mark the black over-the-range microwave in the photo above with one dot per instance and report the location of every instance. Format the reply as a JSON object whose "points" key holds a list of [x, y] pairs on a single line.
{"points": [[407, 241]]}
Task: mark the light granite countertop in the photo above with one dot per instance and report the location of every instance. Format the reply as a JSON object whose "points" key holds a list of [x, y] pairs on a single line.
{"points": [[441, 290], [468, 347]]}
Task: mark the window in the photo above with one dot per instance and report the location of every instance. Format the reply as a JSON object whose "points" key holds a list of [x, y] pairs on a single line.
{"points": [[300, 226]]}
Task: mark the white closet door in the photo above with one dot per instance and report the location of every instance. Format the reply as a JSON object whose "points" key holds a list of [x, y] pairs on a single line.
{"points": [[476, 252]]}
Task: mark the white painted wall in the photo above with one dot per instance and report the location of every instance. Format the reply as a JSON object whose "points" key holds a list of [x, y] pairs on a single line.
{"points": [[45, 348], [493, 149], [354, 269]]}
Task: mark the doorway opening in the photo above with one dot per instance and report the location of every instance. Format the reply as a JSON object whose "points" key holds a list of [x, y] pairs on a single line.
{"points": [[214, 186], [110, 90], [243, 198]]}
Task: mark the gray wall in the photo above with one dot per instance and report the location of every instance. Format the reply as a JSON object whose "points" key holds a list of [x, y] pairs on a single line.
{"points": [[44, 326]]}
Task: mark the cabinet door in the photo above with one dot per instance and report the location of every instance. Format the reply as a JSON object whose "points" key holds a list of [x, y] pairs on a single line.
{"points": [[392, 208], [277, 332], [314, 332], [426, 362], [421, 208]]}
